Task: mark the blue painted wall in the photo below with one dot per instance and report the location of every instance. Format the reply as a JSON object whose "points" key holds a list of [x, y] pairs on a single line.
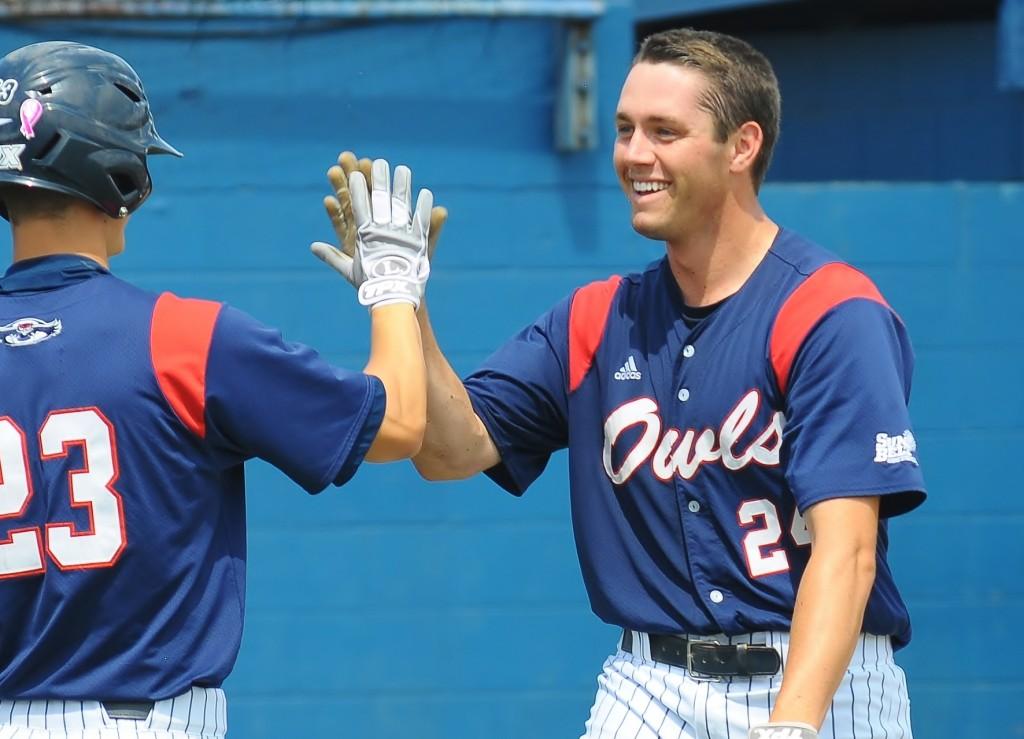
{"points": [[904, 103], [395, 608]]}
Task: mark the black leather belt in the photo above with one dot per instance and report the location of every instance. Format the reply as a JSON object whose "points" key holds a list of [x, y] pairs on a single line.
{"points": [[707, 658], [134, 710]]}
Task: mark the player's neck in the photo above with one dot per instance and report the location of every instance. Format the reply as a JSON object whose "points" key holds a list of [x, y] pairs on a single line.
{"points": [[40, 237], [712, 262]]}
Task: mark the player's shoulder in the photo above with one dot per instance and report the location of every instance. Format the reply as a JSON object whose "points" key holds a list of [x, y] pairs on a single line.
{"points": [[795, 253], [606, 288], [820, 285], [591, 304], [816, 276], [174, 302], [119, 289], [109, 288], [183, 324]]}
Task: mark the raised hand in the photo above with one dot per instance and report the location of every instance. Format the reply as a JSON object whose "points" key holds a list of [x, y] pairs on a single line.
{"points": [[339, 205], [383, 240]]}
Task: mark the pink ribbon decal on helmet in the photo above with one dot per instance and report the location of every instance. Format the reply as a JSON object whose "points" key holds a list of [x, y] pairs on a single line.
{"points": [[31, 112]]}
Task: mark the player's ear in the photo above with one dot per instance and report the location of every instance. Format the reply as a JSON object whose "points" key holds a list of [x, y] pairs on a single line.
{"points": [[746, 143], [114, 233]]}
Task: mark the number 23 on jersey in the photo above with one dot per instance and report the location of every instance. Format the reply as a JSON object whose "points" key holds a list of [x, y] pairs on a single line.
{"points": [[90, 488]]}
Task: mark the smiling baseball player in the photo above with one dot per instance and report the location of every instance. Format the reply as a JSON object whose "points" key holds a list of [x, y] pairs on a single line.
{"points": [[737, 426]]}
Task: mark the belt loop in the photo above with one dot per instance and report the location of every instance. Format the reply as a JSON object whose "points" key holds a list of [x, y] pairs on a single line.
{"points": [[742, 650], [627, 640], [131, 710]]}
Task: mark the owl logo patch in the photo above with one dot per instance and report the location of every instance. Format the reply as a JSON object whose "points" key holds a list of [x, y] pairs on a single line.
{"points": [[28, 331]]}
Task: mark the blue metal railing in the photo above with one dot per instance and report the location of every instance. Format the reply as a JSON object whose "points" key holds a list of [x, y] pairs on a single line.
{"points": [[328, 9]]}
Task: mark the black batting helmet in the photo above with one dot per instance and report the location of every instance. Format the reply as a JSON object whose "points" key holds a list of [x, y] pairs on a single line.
{"points": [[75, 119]]}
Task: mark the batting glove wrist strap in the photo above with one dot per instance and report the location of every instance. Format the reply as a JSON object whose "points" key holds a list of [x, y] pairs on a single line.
{"points": [[783, 730]]}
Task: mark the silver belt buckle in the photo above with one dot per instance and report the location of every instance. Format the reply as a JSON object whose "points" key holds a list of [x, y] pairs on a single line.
{"points": [[697, 675]]}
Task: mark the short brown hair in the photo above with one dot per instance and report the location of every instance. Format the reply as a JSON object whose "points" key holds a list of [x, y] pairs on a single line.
{"points": [[741, 83], [20, 203]]}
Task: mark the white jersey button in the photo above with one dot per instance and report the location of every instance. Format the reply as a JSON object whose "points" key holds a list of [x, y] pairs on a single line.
{"points": [[716, 596], [684, 394], [688, 350], [694, 507]]}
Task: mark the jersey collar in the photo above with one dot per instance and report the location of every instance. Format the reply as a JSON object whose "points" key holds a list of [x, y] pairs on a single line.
{"points": [[48, 273]]}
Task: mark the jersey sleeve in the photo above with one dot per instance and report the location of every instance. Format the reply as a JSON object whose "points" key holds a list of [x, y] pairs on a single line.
{"points": [[520, 395], [848, 430], [283, 403]]}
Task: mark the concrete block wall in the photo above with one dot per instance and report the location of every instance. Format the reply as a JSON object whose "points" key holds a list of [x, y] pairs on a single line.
{"points": [[392, 607]]}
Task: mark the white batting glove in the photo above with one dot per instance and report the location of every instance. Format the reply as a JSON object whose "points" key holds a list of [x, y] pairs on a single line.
{"points": [[783, 730], [390, 264]]}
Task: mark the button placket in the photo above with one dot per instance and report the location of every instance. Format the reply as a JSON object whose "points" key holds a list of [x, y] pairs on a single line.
{"points": [[684, 393]]}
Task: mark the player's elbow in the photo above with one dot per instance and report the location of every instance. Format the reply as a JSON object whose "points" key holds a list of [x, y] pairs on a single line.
{"points": [[861, 553], [438, 467], [430, 468], [851, 567], [853, 558], [398, 438], [408, 444], [455, 451], [865, 563]]}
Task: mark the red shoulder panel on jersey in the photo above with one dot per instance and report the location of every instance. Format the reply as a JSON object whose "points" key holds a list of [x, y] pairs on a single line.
{"points": [[821, 292], [588, 316], [180, 339]]}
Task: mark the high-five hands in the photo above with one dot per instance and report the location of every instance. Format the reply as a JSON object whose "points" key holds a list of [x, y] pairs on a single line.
{"points": [[384, 242], [346, 220]]}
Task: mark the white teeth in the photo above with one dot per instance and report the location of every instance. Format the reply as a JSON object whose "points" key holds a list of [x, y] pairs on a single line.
{"points": [[639, 186]]}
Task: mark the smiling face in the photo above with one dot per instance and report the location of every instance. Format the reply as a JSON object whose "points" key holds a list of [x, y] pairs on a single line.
{"points": [[669, 160]]}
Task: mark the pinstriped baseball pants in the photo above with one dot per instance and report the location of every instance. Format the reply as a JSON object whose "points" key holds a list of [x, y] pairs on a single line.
{"points": [[638, 698], [200, 713]]}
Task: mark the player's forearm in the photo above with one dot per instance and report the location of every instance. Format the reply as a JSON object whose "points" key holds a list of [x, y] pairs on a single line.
{"points": [[456, 444], [396, 357], [827, 621]]}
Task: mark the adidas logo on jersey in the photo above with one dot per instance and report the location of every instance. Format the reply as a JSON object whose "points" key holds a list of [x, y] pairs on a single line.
{"points": [[628, 371]]}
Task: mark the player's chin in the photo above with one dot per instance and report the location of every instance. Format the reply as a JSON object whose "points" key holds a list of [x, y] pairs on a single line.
{"points": [[647, 225]]}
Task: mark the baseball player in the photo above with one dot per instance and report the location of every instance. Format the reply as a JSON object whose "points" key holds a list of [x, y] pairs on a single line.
{"points": [[737, 426], [128, 415]]}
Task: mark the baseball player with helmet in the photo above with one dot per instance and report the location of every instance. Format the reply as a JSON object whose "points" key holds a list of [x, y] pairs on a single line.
{"points": [[128, 416], [737, 426]]}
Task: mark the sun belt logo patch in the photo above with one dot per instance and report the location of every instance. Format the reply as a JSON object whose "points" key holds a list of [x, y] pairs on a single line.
{"points": [[894, 449], [28, 331]]}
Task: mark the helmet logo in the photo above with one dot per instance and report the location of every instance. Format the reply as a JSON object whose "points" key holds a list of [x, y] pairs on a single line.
{"points": [[10, 156], [7, 90], [31, 112], [28, 331]]}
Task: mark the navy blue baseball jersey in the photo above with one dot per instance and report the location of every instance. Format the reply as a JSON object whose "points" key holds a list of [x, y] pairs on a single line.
{"points": [[124, 425], [695, 444]]}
